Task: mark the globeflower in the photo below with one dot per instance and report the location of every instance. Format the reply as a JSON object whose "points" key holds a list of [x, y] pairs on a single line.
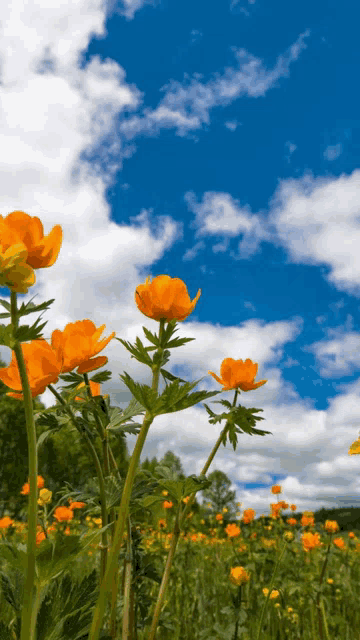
{"points": [[63, 514], [310, 541], [232, 530], [5, 522], [167, 504], [331, 526], [236, 374], [78, 343], [44, 497], [42, 251], [276, 489], [165, 298], [26, 487], [248, 515], [239, 575]]}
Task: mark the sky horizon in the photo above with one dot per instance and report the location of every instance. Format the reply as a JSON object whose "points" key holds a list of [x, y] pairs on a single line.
{"points": [[219, 145]]}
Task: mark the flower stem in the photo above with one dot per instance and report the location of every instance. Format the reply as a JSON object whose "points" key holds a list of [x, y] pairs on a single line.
{"points": [[270, 590], [124, 506], [319, 602], [99, 473], [126, 630], [28, 609], [176, 534]]}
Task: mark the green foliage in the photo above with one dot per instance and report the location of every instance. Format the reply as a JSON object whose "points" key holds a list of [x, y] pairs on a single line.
{"points": [[240, 420]]}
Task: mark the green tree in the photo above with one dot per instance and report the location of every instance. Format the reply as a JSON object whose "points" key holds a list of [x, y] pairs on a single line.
{"points": [[173, 462], [219, 494]]}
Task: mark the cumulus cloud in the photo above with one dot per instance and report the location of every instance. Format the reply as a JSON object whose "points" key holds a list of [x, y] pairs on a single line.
{"points": [[186, 105], [60, 148]]}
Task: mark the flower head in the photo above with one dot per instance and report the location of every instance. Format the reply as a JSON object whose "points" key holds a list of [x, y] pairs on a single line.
{"points": [[42, 251], [76, 505], [248, 515], [42, 364], [165, 297], [15, 273], [63, 514], [331, 526], [95, 388], [276, 488], [167, 504], [78, 343], [5, 522], [236, 374], [26, 487], [44, 496], [239, 575], [310, 541], [233, 530]]}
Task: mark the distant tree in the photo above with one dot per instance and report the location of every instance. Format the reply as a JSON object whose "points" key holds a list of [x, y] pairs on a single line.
{"points": [[219, 494], [173, 462]]}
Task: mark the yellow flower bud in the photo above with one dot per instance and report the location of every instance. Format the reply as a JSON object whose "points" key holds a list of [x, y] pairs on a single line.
{"points": [[45, 497]]}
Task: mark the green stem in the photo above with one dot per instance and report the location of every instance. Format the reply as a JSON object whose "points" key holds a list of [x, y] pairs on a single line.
{"points": [[270, 590], [94, 455], [124, 505], [28, 609], [319, 603], [126, 630], [176, 533]]}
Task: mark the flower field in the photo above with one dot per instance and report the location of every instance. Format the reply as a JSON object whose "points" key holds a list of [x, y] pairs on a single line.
{"points": [[251, 578]]}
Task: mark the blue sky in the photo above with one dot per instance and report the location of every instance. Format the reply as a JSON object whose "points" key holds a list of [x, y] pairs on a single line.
{"points": [[218, 144]]}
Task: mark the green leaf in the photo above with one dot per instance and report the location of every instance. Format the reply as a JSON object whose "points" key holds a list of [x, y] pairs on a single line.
{"points": [[7, 306], [240, 420], [151, 337], [195, 483], [143, 393], [6, 336], [175, 398], [25, 333], [53, 556], [8, 591], [140, 353], [170, 376], [102, 376], [43, 436]]}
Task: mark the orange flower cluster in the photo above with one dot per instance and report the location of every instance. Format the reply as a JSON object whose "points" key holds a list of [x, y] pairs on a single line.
{"points": [[73, 347], [307, 519], [63, 514], [5, 522]]}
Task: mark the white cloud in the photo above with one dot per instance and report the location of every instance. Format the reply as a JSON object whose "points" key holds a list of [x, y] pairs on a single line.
{"points": [[186, 106], [232, 124], [59, 151], [333, 152], [128, 8]]}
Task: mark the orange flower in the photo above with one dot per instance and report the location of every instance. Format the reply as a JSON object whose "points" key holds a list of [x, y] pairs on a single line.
{"points": [[186, 500], [310, 541], [331, 526], [219, 516], [95, 388], [293, 507], [233, 530], [354, 448], [26, 487], [63, 514], [40, 536], [340, 543], [236, 374], [351, 534], [165, 297], [284, 505], [15, 273], [307, 520], [42, 365], [162, 523], [77, 505], [248, 515], [42, 250], [239, 575], [276, 489], [78, 343], [291, 521], [5, 522], [167, 504]]}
